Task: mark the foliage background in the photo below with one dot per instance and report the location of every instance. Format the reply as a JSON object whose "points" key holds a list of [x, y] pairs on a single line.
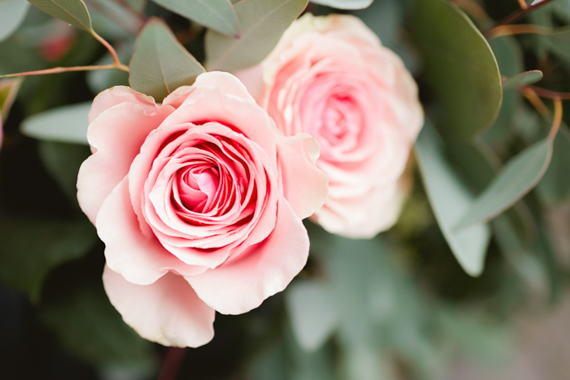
{"points": [[400, 306]]}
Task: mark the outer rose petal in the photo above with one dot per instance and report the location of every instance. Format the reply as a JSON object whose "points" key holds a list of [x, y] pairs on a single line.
{"points": [[140, 260], [226, 83], [115, 136], [265, 269], [304, 186], [117, 95], [167, 312]]}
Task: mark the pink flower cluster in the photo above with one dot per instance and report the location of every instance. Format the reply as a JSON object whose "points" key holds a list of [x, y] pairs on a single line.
{"points": [[199, 200]]}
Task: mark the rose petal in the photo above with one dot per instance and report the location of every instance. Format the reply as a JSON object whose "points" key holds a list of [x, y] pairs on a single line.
{"points": [[117, 95], [140, 259], [167, 312], [115, 137], [226, 83], [263, 270], [297, 156]]}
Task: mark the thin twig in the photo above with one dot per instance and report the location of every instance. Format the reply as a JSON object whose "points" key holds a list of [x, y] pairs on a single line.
{"points": [[508, 30], [523, 4], [547, 93], [517, 15], [58, 70]]}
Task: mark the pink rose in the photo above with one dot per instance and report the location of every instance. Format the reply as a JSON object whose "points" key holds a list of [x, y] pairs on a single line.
{"points": [[331, 78], [199, 202]]}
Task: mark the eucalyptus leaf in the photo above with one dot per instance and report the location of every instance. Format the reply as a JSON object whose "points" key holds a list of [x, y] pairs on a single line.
{"points": [[215, 14], [522, 79], [344, 4], [73, 12], [30, 248], [12, 13], [459, 66], [313, 313], [516, 179], [160, 64], [262, 24], [449, 200], [554, 187], [8, 90], [65, 124], [84, 314]]}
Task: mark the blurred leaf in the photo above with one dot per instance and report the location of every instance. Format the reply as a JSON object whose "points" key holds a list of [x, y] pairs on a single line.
{"points": [[92, 329], [62, 162], [109, 17], [160, 64], [64, 124], [31, 248], [262, 24], [459, 66], [312, 311], [517, 178], [73, 12], [522, 79], [215, 14], [8, 90], [449, 199], [344, 4], [12, 13], [385, 19], [554, 186], [138, 5]]}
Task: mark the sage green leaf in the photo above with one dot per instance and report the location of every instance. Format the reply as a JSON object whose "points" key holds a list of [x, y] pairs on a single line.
{"points": [[313, 313], [64, 124], [449, 200], [160, 64], [459, 66], [73, 12], [12, 13], [8, 90], [262, 24], [90, 328], [215, 14], [30, 248], [517, 178], [554, 187], [344, 4], [522, 79]]}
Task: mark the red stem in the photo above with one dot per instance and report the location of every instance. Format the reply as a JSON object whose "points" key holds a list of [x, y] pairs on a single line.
{"points": [[172, 363], [517, 15]]}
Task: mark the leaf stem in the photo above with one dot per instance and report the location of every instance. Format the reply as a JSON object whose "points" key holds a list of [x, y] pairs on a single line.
{"points": [[507, 30], [57, 70], [557, 118], [547, 93], [523, 4], [516, 15], [172, 363], [107, 45]]}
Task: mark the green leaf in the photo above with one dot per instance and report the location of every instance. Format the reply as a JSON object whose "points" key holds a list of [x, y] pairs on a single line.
{"points": [[31, 248], [73, 12], [65, 124], [12, 13], [516, 179], [8, 90], [160, 64], [62, 162], [459, 66], [215, 14], [522, 79], [313, 313], [554, 187], [262, 24], [449, 200], [92, 329], [344, 4]]}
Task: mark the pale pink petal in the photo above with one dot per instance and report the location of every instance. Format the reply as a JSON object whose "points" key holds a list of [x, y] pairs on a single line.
{"points": [[264, 269], [304, 185], [167, 312], [115, 138], [252, 78], [117, 95], [225, 82], [140, 259]]}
